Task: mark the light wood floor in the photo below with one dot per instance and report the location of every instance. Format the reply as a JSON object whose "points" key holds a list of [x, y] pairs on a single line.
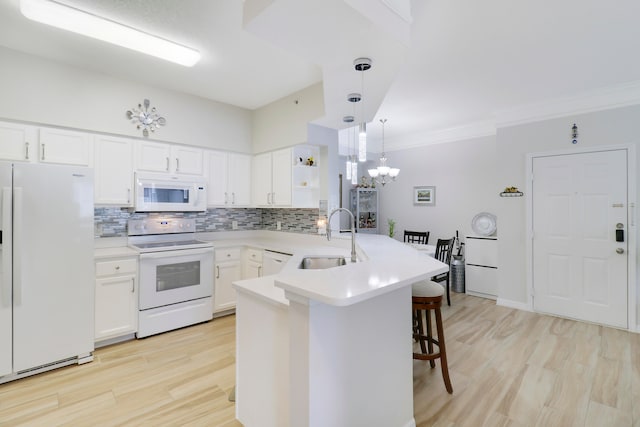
{"points": [[508, 368]]}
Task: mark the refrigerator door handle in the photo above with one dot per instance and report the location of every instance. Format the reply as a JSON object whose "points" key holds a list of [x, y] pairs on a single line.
{"points": [[17, 246], [5, 292]]}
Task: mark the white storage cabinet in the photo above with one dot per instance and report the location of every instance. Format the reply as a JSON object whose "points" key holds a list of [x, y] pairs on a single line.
{"points": [[116, 297], [252, 266], [18, 142], [227, 269], [65, 147], [167, 158], [481, 266], [271, 183], [229, 177], [113, 171]]}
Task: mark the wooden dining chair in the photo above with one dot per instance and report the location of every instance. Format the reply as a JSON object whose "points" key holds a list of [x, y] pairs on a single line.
{"points": [[421, 237], [444, 247]]}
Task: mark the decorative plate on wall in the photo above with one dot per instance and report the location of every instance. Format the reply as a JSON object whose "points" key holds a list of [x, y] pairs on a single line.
{"points": [[484, 224]]}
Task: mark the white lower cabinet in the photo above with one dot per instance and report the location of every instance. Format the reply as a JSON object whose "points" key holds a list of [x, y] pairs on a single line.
{"points": [[227, 269], [481, 269], [252, 267], [116, 298]]}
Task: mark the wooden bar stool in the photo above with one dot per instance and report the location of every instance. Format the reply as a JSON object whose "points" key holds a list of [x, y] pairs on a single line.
{"points": [[427, 298]]}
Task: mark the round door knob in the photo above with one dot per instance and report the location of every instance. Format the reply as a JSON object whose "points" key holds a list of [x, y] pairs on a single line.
{"points": [[619, 250]]}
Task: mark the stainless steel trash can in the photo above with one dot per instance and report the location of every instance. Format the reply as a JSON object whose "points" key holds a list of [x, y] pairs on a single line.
{"points": [[457, 273]]}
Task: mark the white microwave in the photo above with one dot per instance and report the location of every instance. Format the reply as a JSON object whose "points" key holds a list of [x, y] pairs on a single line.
{"points": [[163, 193]]}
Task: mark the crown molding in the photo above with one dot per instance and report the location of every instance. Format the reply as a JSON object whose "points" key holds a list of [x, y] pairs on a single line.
{"points": [[611, 97], [458, 133]]}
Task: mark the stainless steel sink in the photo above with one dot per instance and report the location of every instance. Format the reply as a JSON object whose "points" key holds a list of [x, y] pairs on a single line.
{"points": [[321, 262]]}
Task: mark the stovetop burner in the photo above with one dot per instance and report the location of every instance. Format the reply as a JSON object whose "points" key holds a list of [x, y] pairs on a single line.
{"points": [[163, 234]]}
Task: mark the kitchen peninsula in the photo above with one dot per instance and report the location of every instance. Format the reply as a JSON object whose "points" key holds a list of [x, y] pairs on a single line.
{"points": [[330, 346]]}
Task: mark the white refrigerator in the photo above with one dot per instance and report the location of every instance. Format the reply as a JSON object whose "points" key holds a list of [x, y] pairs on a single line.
{"points": [[46, 267]]}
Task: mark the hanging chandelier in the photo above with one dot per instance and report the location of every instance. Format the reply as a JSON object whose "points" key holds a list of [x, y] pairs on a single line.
{"points": [[383, 173]]}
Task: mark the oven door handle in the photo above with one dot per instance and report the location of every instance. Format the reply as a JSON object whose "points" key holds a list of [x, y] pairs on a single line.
{"points": [[176, 252]]}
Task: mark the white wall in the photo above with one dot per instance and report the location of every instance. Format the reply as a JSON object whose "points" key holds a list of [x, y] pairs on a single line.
{"points": [[283, 123], [463, 173], [610, 127], [37, 90]]}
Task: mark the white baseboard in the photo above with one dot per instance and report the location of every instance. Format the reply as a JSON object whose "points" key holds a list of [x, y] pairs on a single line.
{"points": [[513, 304]]}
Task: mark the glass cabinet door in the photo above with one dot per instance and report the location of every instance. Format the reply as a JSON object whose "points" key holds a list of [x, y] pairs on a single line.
{"points": [[364, 205]]}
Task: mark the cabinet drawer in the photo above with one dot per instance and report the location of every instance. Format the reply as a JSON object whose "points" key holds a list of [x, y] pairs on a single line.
{"points": [[481, 280], [226, 254], [254, 255], [480, 251], [119, 266]]}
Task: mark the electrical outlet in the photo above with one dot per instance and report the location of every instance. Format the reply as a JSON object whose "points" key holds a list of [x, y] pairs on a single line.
{"points": [[234, 225], [278, 225]]}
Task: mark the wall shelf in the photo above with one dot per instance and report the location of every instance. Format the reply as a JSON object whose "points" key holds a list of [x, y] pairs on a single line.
{"points": [[512, 194]]}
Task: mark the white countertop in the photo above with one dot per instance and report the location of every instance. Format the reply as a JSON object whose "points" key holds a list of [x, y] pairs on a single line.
{"points": [[384, 265]]}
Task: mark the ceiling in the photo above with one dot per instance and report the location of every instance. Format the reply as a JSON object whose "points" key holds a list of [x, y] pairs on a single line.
{"points": [[451, 63]]}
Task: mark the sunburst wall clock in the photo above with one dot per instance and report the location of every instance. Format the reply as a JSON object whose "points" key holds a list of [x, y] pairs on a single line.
{"points": [[145, 118]]}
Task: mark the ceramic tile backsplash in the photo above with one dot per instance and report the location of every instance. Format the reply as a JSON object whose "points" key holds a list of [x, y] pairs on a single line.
{"points": [[112, 222]]}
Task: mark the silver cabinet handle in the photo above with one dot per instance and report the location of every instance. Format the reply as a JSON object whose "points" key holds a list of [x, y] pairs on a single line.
{"points": [[26, 151], [226, 197], [268, 198], [217, 271], [259, 271], [177, 164], [42, 152], [273, 198], [619, 251], [133, 285], [233, 198], [167, 164], [128, 195]]}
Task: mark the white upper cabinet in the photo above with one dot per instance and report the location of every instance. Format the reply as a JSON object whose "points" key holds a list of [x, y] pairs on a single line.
{"points": [[174, 159], [187, 160], [272, 178], [239, 183], [113, 171], [216, 162], [65, 147], [261, 179], [153, 156], [281, 176], [18, 142], [229, 179]]}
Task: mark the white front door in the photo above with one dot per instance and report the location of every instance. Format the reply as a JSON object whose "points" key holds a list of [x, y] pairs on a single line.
{"points": [[579, 269]]}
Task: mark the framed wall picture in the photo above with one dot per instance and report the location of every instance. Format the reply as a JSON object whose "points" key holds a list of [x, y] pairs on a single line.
{"points": [[424, 195]]}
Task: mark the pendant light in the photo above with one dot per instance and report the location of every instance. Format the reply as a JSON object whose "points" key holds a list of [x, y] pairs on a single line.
{"points": [[362, 65], [348, 119], [354, 160], [353, 98], [382, 173]]}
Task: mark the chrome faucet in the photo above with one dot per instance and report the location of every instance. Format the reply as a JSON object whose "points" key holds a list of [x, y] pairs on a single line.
{"points": [[353, 230]]}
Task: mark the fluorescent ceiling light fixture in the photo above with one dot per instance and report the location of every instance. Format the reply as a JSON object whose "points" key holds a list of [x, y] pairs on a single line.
{"points": [[80, 22]]}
